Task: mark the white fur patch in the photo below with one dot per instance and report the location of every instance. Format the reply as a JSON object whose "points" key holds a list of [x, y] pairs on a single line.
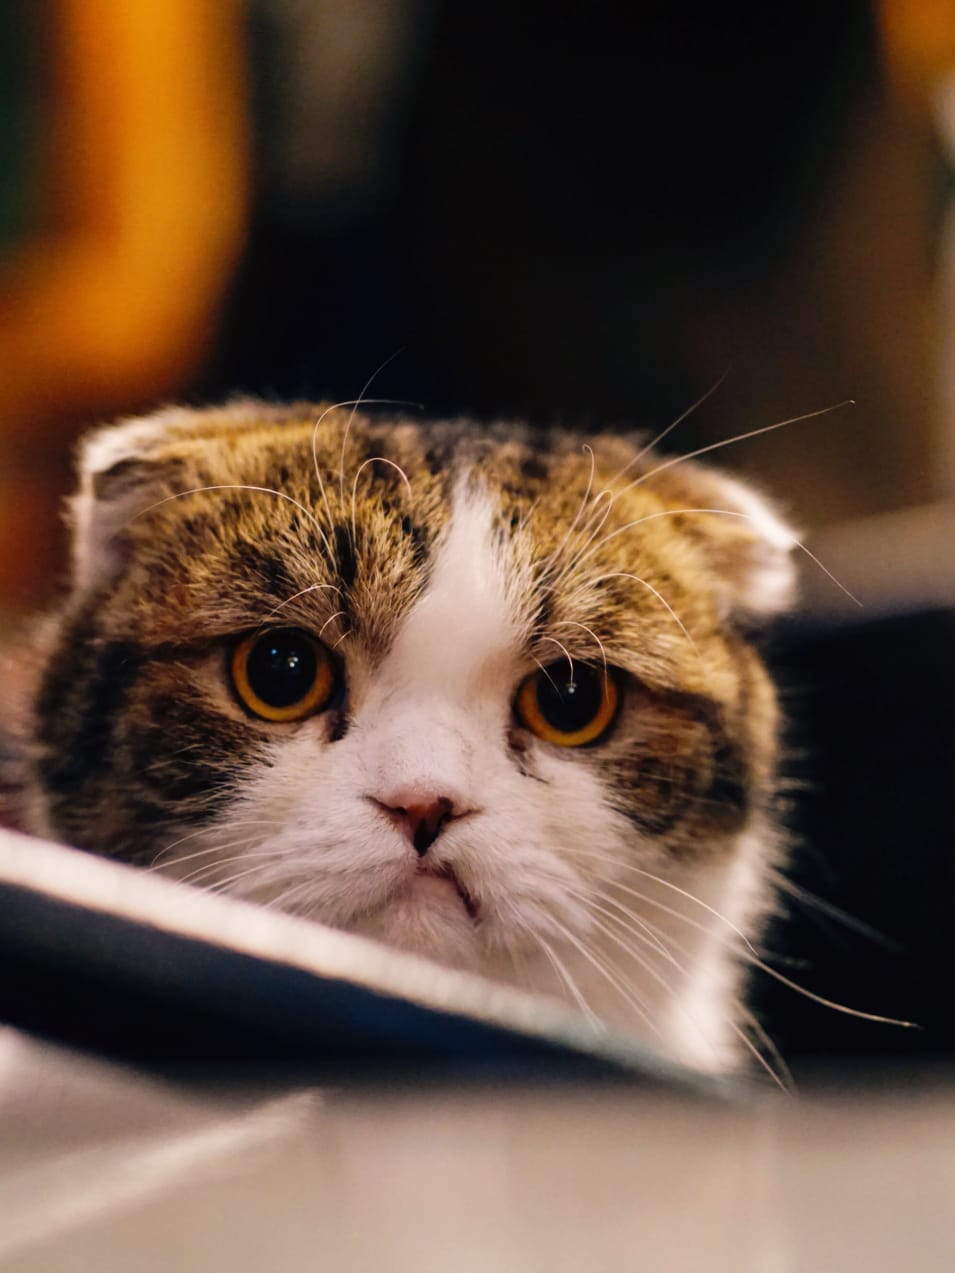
{"points": [[768, 581], [434, 693]]}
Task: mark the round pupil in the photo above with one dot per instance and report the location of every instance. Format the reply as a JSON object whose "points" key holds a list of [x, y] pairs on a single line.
{"points": [[569, 703], [281, 668]]}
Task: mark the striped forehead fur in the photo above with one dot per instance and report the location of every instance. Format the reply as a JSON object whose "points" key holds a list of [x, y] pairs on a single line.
{"points": [[465, 620]]}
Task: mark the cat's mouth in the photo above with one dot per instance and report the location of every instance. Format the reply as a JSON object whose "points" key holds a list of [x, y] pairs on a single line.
{"points": [[442, 880]]}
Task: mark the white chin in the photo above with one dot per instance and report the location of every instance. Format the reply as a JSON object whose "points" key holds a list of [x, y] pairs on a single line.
{"points": [[430, 919]]}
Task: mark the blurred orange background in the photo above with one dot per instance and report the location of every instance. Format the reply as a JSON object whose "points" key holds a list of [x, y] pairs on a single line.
{"points": [[150, 145]]}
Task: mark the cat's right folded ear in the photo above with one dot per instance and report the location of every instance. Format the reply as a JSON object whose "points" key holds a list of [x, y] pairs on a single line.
{"points": [[124, 470]]}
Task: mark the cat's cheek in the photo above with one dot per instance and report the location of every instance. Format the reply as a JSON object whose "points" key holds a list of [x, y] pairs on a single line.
{"points": [[310, 844]]}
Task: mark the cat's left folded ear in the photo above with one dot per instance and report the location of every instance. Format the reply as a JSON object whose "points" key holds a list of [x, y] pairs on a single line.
{"points": [[123, 470], [746, 539]]}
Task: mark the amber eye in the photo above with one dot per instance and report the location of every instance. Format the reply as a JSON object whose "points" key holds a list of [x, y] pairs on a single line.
{"points": [[283, 675], [569, 707]]}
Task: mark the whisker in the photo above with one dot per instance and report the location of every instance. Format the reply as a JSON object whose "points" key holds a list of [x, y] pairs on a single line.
{"points": [[254, 839], [576, 994], [213, 849], [740, 437], [523, 523], [548, 675], [235, 826], [652, 935], [753, 957], [331, 619], [555, 555], [318, 471], [664, 983], [566, 652], [625, 994], [716, 512], [355, 403], [240, 486], [690, 897], [376, 459], [223, 885], [777, 1068], [624, 574], [655, 442], [603, 513], [815, 903], [632, 951], [293, 894], [654, 943], [858, 1013], [315, 587], [359, 401], [595, 525], [571, 623]]}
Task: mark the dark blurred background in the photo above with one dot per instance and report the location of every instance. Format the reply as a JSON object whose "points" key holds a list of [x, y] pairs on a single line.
{"points": [[577, 213]]}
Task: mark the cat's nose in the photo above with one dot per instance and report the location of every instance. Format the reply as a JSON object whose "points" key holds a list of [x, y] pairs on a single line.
{"points": [[421, 817]]}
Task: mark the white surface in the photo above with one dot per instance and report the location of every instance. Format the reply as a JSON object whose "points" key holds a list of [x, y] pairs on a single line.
{"points": [[101, 1169]]}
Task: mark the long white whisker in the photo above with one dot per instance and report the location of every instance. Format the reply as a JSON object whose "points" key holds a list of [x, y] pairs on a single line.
{"points": [[545, 672], [690, 897], [661, 981], [830, 1003], [753, 957], [239, 486], [522, 525], [315, 587], [572, 623], [375, 459], [306, 889], [554, 556], [214, 850], [740, 437], [221, 885], [359, 401], [598, 512], [595, 525], [566, 652], [560, 968], [655, 442], [627, 995], [331, 619], [815, 903], [717, 512], [649, 942], [354, 403], [778, 1070], [625, 574], [206, 830], [651, 934], [318, 471]]}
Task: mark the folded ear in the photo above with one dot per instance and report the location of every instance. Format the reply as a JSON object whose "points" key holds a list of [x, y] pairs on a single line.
{"points": [[124, 469], [759, 568], [746, 539]]}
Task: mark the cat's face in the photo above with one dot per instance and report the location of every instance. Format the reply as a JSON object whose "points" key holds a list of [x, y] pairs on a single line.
{"points": [[473, 694]]}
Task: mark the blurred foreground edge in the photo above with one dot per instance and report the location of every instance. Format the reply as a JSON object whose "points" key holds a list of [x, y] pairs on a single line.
{"points": [[108, 958]]}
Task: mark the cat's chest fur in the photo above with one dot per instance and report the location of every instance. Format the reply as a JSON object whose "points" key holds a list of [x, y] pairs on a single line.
{"points": [[486, 695]]}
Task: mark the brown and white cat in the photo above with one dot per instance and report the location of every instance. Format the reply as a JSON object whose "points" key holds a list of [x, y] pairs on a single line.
{"points": [[486, 694]]}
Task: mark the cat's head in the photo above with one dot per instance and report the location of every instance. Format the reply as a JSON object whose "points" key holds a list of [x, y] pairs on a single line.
{"points": [[485, 694]]}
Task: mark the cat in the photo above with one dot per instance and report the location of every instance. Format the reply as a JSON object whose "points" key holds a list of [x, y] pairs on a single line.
{"points": [[484, 693]]}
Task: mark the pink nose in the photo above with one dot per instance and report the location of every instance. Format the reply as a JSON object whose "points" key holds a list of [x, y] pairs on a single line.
{"points": [[421, 818]]}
